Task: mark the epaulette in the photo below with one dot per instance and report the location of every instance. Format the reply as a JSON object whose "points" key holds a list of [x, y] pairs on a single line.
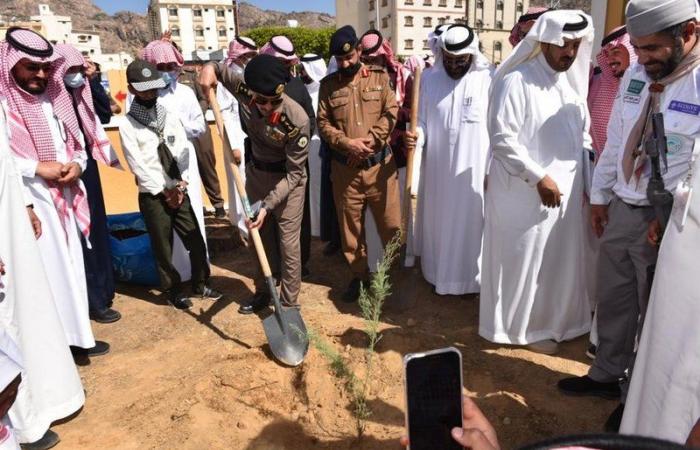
{"points": [[376, 68], [243, 89], [289, 128]]}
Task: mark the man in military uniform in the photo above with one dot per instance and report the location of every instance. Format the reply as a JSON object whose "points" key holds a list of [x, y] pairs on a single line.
{"points": [[278, 129], [357, 111]]}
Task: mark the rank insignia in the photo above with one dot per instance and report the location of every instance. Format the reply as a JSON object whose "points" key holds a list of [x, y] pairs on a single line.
{"points": [[279, 89], [346, 47]]}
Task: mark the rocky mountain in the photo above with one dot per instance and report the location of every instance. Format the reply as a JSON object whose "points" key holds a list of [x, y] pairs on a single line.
{"points": [[129, 31]]}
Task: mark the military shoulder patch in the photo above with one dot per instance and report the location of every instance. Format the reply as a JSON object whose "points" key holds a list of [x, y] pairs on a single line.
{"points": [[303, 141]]}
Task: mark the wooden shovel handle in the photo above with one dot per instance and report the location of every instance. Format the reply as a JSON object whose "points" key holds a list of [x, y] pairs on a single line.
{"points": [[415, 103], [240, 186]]}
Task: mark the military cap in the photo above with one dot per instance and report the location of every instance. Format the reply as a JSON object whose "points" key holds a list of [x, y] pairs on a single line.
{"points": [[343, 41], [266, 75]]}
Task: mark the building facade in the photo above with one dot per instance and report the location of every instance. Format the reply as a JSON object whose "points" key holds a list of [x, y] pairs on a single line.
{"points": [[407, 22], [196, 26]]}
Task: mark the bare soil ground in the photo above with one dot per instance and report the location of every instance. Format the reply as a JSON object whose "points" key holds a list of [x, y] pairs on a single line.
{"points": [[204, 379]]}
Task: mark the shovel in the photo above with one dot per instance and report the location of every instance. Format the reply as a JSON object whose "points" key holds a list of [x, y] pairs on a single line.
{"points": [[285, 329], [406, 207]]}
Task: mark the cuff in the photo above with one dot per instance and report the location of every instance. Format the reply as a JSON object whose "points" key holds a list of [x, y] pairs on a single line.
{"points": [[533, 175], [26, 167], [599, 197]]}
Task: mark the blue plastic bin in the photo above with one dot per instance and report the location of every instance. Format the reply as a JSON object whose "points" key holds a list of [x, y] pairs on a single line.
{"points": [[132, 257]]}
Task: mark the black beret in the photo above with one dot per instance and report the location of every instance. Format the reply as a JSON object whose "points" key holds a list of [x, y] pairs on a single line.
{"points": [[343, 40], [266, 75]]}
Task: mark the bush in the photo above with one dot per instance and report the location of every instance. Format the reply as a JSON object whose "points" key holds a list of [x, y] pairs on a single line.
{"points": [[305, 40]]}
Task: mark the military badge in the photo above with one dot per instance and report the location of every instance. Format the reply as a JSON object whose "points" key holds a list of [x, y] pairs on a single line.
{"points": [[280, 89], [346, 47], [303, 142]]}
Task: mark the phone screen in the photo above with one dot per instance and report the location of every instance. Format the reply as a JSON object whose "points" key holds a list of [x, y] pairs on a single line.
{"points": [[434, 391]]}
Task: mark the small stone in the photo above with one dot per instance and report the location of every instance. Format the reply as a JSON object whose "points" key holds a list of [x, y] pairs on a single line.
{"points": [[411, 322], [241, 425], [506, 421], [347, 347]]}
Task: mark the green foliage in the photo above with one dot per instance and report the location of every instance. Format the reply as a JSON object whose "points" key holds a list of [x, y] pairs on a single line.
{"points": [[305, 40], [371, 303]]}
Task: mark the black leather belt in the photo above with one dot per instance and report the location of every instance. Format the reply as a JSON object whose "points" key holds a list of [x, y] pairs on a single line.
{"points": [[274, 167], [367, 163]]}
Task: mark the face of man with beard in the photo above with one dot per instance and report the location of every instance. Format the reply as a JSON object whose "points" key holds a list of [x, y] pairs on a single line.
{"points": [[456, 66], [561, 58], [618, 60], [662, 52], [31, 76]]}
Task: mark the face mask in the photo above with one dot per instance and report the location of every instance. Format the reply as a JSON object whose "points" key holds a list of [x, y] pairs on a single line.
{"points": [[350, 71], [170, 77], [74, 80], [148, 104]]}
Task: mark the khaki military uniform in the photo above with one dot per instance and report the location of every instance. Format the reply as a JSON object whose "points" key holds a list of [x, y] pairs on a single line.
{"points": [[277, 175], [364, 106]]}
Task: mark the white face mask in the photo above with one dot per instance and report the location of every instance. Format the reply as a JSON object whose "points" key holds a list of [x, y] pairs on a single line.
{"points": [[74, 80]]}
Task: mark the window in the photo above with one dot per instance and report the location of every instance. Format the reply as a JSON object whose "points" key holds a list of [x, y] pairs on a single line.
{"points": [[442, 3], [385, 2], [499, 5], [480, 4], [371, 5], [425, 45], [175, 31], [385, 22], [499, 24], [408, 2], [408, 44], [479, 24], [222, 31], [172, 11], [462, 20], [199, 32], [497, 46], [427, 22], [197, 12], [372, 25], [427, 3], [519, 7], [442, 20], [408, 21], [220, 13], [459, 4]]}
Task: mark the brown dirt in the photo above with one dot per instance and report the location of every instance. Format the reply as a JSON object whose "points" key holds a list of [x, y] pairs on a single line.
{"points": [[204, 379]]}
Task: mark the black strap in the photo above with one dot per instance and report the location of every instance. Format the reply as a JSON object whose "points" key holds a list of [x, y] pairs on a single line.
{"points": [[369, 51], [284, 52], [532, 16], [577, 26], [40, 53], [245, 44], [612, 36], [459, 45], [168, 162], [311, 58], [367, 163], [273, 167]]}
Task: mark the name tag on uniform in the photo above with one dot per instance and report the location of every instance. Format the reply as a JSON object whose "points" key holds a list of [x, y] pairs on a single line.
{"points": [[171, 139], [635, 99], [687, 108]]}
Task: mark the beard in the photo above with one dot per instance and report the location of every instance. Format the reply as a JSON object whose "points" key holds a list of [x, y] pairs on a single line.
{"points": [[668, 66]]}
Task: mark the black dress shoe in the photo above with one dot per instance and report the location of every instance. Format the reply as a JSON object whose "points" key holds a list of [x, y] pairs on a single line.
{"points": [[612, 425], [180, 301], [107, 315], [47, 441], [259, 302], [352, 293], [585, 385], [219, 213], [331, 248], [100, 348]]}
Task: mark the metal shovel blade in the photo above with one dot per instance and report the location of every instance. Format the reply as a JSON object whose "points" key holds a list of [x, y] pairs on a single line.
{"points": [[286, 333]]}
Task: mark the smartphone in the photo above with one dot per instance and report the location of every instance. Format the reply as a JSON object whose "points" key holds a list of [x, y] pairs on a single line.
{"points": [[433, 398]]}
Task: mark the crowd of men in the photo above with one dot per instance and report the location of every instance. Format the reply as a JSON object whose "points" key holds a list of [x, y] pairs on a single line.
{"points": [[533, 183]]}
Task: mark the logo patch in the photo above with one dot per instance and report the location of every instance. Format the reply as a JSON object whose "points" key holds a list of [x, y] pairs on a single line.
{"points": [[146, 72], [674, 143], [635, 87], [635, 99], [687, 108], [303, 141], [171, 140], [346, 47]]}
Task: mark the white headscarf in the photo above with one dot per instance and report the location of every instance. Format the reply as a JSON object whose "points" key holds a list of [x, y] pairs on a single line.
{"points": [[315, 66], [550, 29], [458, 33]]}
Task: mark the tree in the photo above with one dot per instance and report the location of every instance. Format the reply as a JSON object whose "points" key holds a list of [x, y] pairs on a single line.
{"points": [[305, 40]]}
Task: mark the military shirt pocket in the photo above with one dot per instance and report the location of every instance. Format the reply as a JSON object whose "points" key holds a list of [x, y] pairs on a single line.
{"points": [[372, 100], [339, 105]]}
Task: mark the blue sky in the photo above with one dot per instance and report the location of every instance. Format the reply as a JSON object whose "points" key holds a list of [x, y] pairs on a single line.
{"points": [[140, 6]]}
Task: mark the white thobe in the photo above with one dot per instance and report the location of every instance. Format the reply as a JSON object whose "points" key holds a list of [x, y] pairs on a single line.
{"points": [[60, 248], [533, 284], [236, 139], [181, 100], [664, 395], [51, 387], [450, 217], [314, 160]]}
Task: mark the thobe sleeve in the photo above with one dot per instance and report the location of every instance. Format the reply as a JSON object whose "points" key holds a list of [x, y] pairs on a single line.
{"points": [[297, 150], [505, 121], [25, 167], [80, 156], [193, 119], [151, 182], [605, 172], [183, 157]]}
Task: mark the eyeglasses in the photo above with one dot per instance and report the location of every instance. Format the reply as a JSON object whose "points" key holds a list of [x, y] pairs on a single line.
{"points": [[276, 101]]}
